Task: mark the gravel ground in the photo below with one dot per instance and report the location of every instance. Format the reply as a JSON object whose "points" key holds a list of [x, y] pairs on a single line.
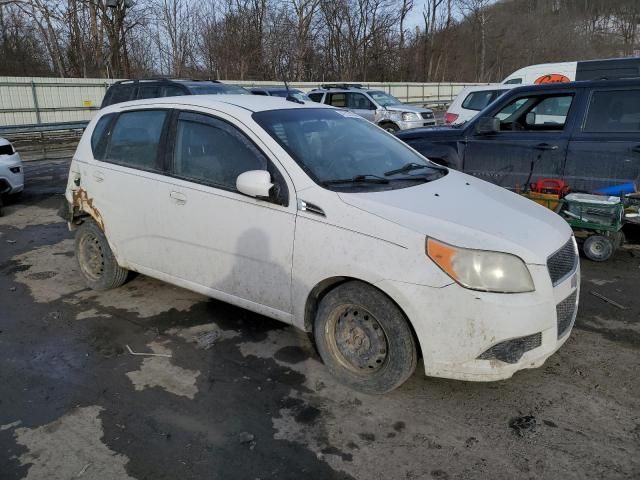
{"points": [[240, 396]]}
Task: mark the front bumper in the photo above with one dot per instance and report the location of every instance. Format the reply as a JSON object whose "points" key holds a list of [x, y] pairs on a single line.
{"points": [[428, 122], [455, 325], [10, 180]]}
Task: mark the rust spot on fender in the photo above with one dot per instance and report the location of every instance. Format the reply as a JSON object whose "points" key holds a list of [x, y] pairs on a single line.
{"points": [[84, 203]]}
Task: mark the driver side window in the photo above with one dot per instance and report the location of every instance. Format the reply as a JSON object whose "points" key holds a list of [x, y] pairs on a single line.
{"points": [[535, 113], [212, 152], [358, 101]]}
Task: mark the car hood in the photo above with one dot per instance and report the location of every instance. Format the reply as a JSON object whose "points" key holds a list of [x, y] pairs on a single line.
{"points": [[434, 133], [407, 108], [467, 212], [3, 142]]}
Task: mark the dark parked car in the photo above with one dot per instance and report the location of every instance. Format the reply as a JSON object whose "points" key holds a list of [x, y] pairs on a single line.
{"points": [[586, 133], [280, 92], [126, 90]]}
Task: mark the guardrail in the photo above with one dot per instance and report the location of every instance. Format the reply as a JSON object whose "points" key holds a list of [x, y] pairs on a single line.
{"points": [[47, 127]]}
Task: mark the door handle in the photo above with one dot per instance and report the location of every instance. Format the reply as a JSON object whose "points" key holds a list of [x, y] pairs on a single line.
{"points": [[178, 198], [98, 176], [636, 149], [546, 146]]}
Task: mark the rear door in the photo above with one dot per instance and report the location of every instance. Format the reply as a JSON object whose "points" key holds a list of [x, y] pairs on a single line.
{"points": [[531, 144], [605, 148], [125, 184]]}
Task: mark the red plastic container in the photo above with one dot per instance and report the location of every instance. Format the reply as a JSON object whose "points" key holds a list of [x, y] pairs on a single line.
{"points": [[550, 185]]}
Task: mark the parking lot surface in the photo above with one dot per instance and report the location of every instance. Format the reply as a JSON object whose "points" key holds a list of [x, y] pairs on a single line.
{"points": [[229, 394]]}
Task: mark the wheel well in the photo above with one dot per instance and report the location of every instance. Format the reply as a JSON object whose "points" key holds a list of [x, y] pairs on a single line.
{"points": [[325, 286], [388, 122]]}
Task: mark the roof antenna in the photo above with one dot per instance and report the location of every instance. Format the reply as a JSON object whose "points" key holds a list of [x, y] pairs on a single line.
{"points": [[290, 97]]}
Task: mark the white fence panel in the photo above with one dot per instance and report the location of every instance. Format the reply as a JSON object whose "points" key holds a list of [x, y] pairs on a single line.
{"points": [[41, 101]]}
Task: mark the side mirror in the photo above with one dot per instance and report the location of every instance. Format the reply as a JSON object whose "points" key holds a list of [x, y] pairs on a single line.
{"points": [[255, 183], [531, 118], [487, 126]]}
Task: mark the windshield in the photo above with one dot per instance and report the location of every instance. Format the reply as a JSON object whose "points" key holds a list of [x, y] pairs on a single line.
{"points": [[217, 89], [384, 99], [297, 94], [342, 151]]}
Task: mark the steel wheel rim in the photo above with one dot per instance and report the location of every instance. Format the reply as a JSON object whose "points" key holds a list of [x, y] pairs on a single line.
{"points": [[357, 340], [91, 257]]}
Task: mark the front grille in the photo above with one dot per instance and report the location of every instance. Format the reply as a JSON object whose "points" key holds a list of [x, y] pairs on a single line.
{"points": [[563, 262], [427, 115], [566, 312], [511, 351]]}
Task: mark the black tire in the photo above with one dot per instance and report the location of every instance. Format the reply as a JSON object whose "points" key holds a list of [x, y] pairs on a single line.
{"points": [[96, 262], [390, 127], [364, 339], [598, 248]]}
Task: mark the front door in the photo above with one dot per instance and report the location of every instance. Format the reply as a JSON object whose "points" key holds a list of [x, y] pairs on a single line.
{"points": [[605, 151], [359, 104], [217, 238], [531, 144]]}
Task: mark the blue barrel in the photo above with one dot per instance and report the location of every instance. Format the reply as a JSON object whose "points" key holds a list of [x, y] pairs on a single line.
{"points": [[618, 190]]}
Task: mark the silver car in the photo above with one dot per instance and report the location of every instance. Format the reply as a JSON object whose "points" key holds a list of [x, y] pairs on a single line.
{"points": [[376, 106]]}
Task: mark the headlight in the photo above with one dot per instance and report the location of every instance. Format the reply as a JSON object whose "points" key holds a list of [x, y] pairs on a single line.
{"points": [[481, 270], [408, 116]]}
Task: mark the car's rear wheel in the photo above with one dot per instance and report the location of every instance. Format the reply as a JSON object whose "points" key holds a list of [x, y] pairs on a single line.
{"points": [[96, 262], [364, 339]]}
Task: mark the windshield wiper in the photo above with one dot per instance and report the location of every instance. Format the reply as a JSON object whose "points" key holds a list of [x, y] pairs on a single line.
{"points": [[407, 168], [357, 179]]}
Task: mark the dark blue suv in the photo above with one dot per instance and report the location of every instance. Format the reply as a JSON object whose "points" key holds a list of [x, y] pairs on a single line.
{"points": [[586, 133]]}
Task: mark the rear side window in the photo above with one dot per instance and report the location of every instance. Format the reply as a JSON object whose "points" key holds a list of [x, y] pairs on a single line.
{"points": [[174, 91], [478, 100], [513, 81], [135, 139], [154, 91], [337, 100], [213, 152], [99, 136], [259, 92], [614, 111], [316, 97]]}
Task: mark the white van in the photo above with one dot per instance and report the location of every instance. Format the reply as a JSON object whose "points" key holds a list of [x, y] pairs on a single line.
{"points": [[313, 216], [609, 69]]}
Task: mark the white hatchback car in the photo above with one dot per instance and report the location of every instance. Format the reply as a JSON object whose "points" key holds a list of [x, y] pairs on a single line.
{"points": [[313, 216], [11, 172], [471, 100]]}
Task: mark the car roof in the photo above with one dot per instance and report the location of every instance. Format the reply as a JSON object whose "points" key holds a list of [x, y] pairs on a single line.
{"points": [[252, 103], [627, 82], [275, 89]]}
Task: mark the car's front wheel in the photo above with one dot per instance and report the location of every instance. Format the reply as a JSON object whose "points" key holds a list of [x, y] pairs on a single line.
{"points": [[96, 262], [364, 339], [390, 127]]}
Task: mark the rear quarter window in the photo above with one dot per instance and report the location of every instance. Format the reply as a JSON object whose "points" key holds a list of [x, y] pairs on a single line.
{"points": [[478, 100], [121, 93], [99, 136]]}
